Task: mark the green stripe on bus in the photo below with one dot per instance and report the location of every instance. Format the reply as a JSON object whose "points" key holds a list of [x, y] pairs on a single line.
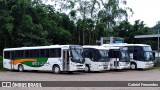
{"points": [[39, 62]]}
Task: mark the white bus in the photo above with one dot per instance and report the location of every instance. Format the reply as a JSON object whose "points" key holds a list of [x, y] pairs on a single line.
{"points": [[141, 55], [55, 58], [96, 58], [119, 58]]}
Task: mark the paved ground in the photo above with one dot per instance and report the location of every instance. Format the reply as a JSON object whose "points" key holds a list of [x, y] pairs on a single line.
{"points": [[125, 75]]}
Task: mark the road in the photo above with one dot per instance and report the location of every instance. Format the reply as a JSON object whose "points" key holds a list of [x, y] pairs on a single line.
{"points": [[124, 75]]}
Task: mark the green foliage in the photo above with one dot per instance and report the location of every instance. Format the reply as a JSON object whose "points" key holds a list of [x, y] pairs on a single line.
{"points": [[157, 61], [128, 31], [1, 62], [32, 23]]}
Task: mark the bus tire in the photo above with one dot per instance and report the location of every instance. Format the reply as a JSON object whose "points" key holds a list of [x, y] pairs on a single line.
{"points": [[20, 68], [133, 66], [70, 72], [56, 69], [87, 68]]}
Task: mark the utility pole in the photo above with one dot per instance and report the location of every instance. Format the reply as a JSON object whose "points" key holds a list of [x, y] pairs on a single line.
{"points": [[83, 38], [158, 45]]}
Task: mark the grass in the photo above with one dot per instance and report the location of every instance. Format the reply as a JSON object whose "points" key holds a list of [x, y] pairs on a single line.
{"points": [[2, 69], [157, 59], [157, 66]]}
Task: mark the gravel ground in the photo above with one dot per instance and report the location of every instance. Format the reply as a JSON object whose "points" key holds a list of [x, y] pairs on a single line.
{"points": [[124, 75]]}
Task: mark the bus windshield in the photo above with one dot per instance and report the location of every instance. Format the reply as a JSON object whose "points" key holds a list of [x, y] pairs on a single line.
{"points": [[103, 55], [147, 48], [148, 56], [143, 53], [76, 54]]}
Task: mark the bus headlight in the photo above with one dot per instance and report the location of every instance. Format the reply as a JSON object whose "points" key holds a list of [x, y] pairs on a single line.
{"points": [[73, 64]]}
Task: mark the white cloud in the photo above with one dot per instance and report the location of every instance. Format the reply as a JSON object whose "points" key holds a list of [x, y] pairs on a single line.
{"points": [[145, 10]]}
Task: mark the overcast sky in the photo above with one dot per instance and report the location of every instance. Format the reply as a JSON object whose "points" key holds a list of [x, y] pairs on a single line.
{"points": [[145, 10]]}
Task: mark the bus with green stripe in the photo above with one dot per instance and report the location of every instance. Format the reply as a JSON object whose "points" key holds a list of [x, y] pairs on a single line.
{"points": [[55, 58]]}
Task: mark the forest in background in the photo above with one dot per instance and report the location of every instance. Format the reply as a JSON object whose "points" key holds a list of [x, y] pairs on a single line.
{"points": [[35, 23]]}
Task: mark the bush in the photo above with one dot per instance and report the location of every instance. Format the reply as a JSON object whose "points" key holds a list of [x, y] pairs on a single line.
{"points": [[1, 62], [157, 62]]}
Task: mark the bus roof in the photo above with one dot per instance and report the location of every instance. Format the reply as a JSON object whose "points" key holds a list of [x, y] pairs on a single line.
{"points": [[117, 48], [112, 47], [95, 47], [124, 44], [39, 47]]}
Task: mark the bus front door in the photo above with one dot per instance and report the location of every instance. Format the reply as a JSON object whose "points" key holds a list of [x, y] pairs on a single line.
{"points": [[116, 62], [66, 60], [12, 60]]}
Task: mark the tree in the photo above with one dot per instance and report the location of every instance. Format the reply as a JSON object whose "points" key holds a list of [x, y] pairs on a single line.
{"points": [[155, 28], [128, 31], [6, 29], [30, 34], [32, 23], [112, 13]]}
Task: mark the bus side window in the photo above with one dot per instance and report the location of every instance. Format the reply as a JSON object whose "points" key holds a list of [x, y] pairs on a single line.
{"points": [[90, 55], [26, 53], [116, 54], [42, 53], [113, 54], [95, 55], [86, 53], [135, 56], [33, 53], [15, 54], [137, 53], [7, 54], [139, 56], [52, 53], [110, 54], [56, 52], [19, 53], [47, 52], [131, 51]]}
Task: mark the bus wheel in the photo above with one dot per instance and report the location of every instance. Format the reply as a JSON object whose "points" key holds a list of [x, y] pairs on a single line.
{"points": [[20, 68], [56, 69], [133, 66], [87, 68], [70, 72]]}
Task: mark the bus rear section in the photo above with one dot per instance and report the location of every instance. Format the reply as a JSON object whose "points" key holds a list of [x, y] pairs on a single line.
{"points": [[119, 58], [96, 58], [55, 58]]}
